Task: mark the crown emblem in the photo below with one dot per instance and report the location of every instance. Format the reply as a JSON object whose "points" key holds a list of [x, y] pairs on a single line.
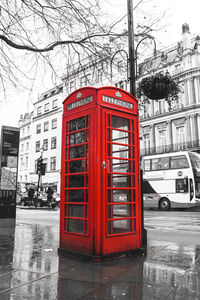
{"points": [[117, 94], [79, 95]]}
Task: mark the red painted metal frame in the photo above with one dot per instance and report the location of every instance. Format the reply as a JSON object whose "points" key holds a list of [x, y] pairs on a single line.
{"points": [[69, 175], [97, 241]]}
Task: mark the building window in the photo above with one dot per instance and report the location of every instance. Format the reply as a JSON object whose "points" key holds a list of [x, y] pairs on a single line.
{"points": [[22, 147], [26, 177], [39, 110], [162, 140], [120, 67], [27, 146], [46, 107], [46, 126], [180, 137], [28, 129], [36, 166], [82, 81], [53, 164], [21, 162], [37, 146], [55, 104], [99, 75], [53, 142], [54, 123], [146, 139], [72, 85], [160, 107], [26, 162], [85, 80], [45, 144], [38, 128]]}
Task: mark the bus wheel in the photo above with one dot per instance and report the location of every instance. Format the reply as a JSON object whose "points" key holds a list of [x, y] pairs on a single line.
{"points": [[164, 204]]}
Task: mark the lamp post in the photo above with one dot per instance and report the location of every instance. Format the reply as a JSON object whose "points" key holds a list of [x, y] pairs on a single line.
{"points": [[132, 75], [131, 56], [144, 38], [131, 48]]}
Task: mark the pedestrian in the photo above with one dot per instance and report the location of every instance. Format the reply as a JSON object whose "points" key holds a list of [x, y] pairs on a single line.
{"points": [[49, 194], [31, 193]]}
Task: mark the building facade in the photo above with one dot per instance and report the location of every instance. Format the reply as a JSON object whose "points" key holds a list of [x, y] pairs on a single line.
{"points": [[162, 130], [96, 73], [25, 124], [44, 140]]}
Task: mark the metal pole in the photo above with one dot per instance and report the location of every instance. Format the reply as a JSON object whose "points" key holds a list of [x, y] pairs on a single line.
{"points": [[131, 48], [133, 92], [136, 48], [39, 176]]}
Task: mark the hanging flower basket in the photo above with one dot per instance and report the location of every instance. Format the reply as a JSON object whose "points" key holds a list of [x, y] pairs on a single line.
{"points": [[156, 90], [158, 86]]}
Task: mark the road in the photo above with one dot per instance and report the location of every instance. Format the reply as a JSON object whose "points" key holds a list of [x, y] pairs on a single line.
{"points": [[43, 216], [175, 226]]}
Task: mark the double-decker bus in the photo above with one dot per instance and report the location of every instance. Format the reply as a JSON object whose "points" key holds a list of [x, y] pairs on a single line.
{"points": [[171, 180]]}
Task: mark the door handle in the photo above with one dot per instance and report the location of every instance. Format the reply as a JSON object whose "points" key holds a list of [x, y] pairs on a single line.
{"points": [[104, 164]]}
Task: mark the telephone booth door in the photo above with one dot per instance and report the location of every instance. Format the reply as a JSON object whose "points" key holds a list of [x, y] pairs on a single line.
{"points": [[76, 215], [120, 185]]}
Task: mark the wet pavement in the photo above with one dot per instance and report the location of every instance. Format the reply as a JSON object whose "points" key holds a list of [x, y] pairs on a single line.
{"points": [[30, 268]]}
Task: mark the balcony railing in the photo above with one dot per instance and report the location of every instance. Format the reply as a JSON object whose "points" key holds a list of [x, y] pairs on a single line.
{"points": [[188, 146]]}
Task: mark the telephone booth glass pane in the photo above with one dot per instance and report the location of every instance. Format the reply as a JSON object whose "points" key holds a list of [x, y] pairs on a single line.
{"points": [[121, 166], [76, 176], [120, 155]]}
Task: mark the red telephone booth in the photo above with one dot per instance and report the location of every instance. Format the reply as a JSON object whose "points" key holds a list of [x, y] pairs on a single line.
{"points": [[100, 173]]}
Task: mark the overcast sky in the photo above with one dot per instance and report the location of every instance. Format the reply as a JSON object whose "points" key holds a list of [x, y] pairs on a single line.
{"points": [[176, 12]]}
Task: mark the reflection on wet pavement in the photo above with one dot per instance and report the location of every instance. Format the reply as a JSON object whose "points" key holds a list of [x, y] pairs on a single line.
{"points": [[30, 268]]}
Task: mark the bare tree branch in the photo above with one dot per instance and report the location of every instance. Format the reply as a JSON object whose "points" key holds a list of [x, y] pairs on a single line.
{"points": [[54, 34]]}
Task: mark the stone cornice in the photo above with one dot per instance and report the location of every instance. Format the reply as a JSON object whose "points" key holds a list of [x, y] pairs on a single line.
{"points": [[170, 115], [161, 126], [49, 113], [187, 74], [25, 138]]}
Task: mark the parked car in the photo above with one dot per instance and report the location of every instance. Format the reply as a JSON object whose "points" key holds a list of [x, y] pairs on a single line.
{"points": [[56, 197], [38, 201]]}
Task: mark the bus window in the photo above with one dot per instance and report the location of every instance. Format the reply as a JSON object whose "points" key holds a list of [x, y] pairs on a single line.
{"points": [[179, 162], [147, 164], [155, 164], [160, 163], [182, 185], [195, 159], [164, 163]]}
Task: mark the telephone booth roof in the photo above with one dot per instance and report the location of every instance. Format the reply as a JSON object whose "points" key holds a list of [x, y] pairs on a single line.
{"points": [[111, 97]]}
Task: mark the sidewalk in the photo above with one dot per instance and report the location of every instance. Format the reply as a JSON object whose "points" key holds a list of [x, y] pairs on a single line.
{"points": [[30, 268]]}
